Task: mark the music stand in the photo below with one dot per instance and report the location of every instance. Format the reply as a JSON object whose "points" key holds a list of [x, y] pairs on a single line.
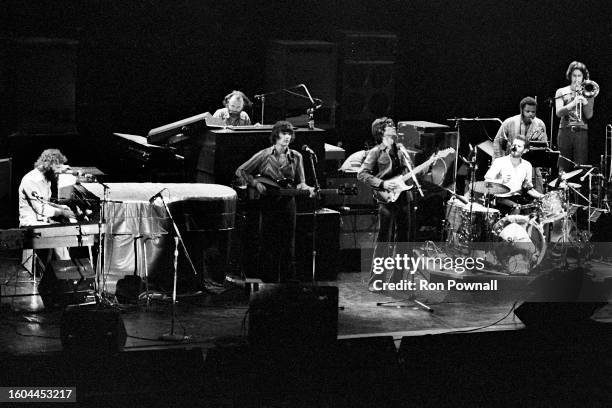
{"points": [[542, 157]]}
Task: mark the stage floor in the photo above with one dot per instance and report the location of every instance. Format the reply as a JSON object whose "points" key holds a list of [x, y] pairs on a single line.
{"points": [[214, 319]]}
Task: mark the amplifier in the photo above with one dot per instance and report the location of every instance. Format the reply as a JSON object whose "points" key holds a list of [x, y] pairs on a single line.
{"points": [[409, 132], [362, 199], [358, 229], [326, 242]]}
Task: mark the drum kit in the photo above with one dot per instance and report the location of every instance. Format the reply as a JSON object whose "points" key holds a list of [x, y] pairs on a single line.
{"points": [[518, 242]]}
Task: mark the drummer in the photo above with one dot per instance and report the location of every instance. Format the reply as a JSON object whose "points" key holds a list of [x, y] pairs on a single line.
{"points": [[515, 173]]}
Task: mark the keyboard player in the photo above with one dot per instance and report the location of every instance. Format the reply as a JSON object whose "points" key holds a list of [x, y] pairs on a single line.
{"points": [[35, 207]]}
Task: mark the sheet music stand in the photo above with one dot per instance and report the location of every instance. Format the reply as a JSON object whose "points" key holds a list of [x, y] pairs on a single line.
{"points": [[542, 157]]}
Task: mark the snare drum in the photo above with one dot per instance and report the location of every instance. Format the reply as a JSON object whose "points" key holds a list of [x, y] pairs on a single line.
{"points": [[552, 206], [479, 226]]}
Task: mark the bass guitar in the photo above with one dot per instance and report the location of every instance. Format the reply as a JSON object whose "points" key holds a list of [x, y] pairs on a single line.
{"points": [[286, 188], [390, 196]]}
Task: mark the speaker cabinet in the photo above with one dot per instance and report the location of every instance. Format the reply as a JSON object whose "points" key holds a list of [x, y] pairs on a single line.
{"points": [[85, 330], [312, 63], [327, 244], [366, 76]]}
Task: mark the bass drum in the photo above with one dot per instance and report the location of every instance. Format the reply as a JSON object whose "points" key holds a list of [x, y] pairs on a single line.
{"points": [[521, 245]]}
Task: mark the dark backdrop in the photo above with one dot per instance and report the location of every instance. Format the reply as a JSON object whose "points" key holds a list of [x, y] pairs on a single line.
{"points": [[141, 64]]}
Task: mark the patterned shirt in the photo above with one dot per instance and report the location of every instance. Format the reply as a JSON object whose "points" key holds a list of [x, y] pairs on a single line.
{"points": [[511, 128], [271, 163]]}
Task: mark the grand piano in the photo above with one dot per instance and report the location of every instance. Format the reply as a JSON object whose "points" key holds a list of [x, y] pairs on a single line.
{"points": [[139, 237]]}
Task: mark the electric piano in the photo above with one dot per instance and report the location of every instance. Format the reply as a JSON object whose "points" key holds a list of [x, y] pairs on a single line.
{"points": [[60, 235]]}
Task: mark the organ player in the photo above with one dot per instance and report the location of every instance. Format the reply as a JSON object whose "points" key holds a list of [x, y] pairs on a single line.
{"points": [[35, 207], [233, 112], [515, 173]]}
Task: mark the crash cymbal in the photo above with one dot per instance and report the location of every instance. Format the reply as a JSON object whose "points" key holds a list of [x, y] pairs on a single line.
{"points": [[570, 174], [490, 187], [564, 184]]}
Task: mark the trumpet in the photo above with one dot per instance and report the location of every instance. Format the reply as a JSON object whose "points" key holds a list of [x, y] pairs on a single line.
{"points": [[588, 89]]}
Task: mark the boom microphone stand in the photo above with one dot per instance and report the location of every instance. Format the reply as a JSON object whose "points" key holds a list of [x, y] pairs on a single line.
{"points": [[178, 239]]}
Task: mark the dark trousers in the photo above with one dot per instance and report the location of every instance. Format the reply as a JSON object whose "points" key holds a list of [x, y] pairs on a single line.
{"points": [[269, 242], [574, 144], [394, 227]]}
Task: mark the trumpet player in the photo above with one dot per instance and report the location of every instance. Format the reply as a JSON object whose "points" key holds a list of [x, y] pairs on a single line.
{"points": [[574, 106]]}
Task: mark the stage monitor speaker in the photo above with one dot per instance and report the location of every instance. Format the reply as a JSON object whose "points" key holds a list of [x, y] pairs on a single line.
{"points": [[293, 317], [92, 330], [556, 315]]}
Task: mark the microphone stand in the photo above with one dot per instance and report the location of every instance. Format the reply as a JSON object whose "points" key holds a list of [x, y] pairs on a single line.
{"points": [[317, 187], [101, 244], [178, 239]]}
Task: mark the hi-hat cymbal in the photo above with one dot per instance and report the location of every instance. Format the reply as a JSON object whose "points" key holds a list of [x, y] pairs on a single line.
{"points": [[563, 184], [570, 174], [490, 187]]}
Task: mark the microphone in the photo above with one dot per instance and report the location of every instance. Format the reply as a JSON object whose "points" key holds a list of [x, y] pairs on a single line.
{"points": [[587, 173], [156, 196], [513, 148], [258, 96], [308, 150]]}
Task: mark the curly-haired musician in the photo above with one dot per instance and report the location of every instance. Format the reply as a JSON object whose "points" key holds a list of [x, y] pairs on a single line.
{"points": [[233, 112], [574, 109], [382, 163], [35, 207], [525, 124]]}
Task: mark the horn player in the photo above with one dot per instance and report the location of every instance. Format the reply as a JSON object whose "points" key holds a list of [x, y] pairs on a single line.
{"points": [[574, 106]]}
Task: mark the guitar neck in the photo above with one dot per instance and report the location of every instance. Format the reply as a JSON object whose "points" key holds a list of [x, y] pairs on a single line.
{"points": [[418, 169]]}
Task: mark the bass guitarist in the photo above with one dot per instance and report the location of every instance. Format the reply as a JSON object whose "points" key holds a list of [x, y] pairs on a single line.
{"points": [[272, 217], [382, 164]]}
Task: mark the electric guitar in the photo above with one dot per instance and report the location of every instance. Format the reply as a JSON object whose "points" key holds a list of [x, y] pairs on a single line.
{"points": [[390, 196], [286, 188]]}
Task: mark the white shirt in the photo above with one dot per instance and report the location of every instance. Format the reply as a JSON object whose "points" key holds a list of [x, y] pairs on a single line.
{"points": [[520, 176], [33, 211]]}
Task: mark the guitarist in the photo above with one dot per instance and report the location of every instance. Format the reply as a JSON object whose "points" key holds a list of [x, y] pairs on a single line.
{"points": [[35, 207], [272, 218], [383, 162]]}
